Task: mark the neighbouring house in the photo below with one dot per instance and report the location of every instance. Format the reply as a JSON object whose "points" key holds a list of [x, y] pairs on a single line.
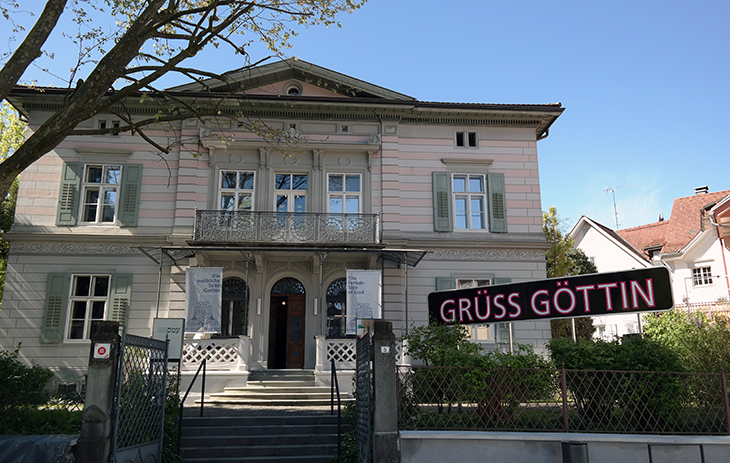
{"points": [[347, 175], [691, 244]]}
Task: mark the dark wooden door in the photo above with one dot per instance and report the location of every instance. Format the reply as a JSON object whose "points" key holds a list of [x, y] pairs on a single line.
{"points": [[295, 331]]}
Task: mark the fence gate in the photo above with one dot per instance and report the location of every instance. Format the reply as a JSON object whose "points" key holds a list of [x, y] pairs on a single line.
{"points": [[364, 400], [139, 408]]}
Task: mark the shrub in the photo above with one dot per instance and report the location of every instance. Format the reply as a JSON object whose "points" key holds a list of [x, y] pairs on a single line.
{"points": [[21, 385], [433, 343]]}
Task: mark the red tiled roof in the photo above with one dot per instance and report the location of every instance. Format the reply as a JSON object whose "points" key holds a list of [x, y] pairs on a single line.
{"points": [[683, 225], [645, 236]]}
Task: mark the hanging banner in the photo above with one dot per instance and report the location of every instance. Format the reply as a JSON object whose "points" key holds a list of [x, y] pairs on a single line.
{"points": [[364, 297], [642, 290], [203, 299]]}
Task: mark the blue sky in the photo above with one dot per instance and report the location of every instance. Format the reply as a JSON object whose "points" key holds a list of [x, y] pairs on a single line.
{"points": [[645, 85]]}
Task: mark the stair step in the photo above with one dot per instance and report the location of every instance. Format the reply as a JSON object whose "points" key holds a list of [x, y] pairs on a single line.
{"points": [[258, 421], [263, 389], [272, 383], [276, 459]]}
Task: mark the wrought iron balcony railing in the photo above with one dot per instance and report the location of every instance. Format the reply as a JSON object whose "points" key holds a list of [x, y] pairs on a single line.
{"points": [[291, 227]]}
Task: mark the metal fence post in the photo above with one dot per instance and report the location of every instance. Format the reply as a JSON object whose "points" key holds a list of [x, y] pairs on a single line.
{"points": [[95, 442], [725, 401], [385, 419], [564, 396]]}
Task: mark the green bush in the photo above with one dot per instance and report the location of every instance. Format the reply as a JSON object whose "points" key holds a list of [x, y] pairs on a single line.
{"points": [[21, 386], [615, 383], [31, 421], [701, 342], [171, 432], [433, 343]]}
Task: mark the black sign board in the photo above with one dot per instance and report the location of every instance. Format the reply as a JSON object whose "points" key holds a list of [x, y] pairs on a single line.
{"points": [[644, 290]]}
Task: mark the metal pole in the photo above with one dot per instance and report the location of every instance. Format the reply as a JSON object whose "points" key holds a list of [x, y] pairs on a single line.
{"points": [[159, 284]]}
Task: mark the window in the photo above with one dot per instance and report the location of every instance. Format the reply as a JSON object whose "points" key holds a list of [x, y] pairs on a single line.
{"points": [[701, 276], [464, 201], [469, 202], [99, 194], [484, 332], [466, 139], [105, 124], [343, 191], [89, 297], [236, 190], [291, 192], [100, 187]]}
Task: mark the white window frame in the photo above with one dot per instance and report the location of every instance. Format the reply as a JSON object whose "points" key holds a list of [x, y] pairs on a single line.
{"points": [[237, 192], [466, 138], [702, 276], [482, 332], [90, 299], [468, 196], [109, 123], [291, 193], [102, 187], [344, 194]]}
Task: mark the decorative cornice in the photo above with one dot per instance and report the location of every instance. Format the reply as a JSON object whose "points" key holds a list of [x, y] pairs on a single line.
{"points": [[502, 255], [74, 249]]}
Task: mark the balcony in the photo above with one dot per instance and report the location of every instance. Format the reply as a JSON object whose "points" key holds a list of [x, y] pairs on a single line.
{"points": [[249, 227]]}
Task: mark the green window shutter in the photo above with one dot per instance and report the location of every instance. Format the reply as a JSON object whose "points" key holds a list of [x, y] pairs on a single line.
{"points": [[121, 295], [445, 283], [442, 221], [129, 195], [502, 329], [68, 197], [497, 203], [54, 316]]}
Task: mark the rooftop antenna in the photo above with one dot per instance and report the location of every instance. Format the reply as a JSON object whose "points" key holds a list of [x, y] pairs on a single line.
{"points": [[613, 193]]}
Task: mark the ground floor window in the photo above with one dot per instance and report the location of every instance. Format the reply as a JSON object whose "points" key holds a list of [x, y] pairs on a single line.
{"points": [[484, 332], [89, 297], [234, 307]]}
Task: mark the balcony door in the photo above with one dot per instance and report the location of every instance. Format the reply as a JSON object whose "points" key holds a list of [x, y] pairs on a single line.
{"points": [[286, 325]]}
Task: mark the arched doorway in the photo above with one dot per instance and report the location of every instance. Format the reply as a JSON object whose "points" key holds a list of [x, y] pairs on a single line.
{"points": [[336, 308], [286, 324], [234, 307]]}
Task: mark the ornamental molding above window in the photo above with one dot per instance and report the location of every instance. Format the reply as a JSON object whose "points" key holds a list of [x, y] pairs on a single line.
{"points": [[467, 161], [524, 255], [73, 249]]}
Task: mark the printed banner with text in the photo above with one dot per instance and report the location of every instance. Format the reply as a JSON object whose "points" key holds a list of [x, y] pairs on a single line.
{"points": [[364, 297], [203, 299]]}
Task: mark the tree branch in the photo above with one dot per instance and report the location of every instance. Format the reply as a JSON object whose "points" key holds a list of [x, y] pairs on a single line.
{"points": [[30, 49]]}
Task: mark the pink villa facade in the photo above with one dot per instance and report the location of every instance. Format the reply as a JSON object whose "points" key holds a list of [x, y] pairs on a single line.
{"points": [[350, 176]]}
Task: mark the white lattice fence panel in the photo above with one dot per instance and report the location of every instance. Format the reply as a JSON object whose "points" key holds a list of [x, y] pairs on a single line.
{"points": [[343, 352], [216, 352]]}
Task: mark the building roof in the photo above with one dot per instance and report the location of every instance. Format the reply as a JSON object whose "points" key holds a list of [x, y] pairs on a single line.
{"points": [[684, 224]]}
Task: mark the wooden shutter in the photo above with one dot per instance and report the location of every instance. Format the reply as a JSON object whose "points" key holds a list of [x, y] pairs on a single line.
{"points": [[121, 295], [68, 197], [129, 195], [445, 283], [442, 221], [54, 315], [497, 203], [502, 329]]}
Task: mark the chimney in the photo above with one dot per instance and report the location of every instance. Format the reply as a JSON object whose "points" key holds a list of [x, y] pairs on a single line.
{"points": [[702, 190]]}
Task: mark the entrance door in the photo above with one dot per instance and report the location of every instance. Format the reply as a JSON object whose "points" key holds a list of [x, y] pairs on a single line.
{"points": [[286, 325]]}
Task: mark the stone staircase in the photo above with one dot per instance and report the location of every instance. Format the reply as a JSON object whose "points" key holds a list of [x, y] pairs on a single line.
{"points": [[260, 439], [277, 387]]}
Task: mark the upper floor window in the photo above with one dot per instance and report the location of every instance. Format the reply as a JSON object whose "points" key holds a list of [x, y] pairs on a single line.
{"points": [[466, 138], [236, 190], [89, 296], [291, 192], [109, 124], [343, 191], [701, 276], [100, 188], [470, 200]]}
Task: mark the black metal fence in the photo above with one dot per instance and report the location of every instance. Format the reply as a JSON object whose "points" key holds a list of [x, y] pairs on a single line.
{"points": [[364, 391], [140, 400], [560, 400]]}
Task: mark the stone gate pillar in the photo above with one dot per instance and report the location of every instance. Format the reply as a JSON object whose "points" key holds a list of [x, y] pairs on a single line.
{"points": [[385, 419], [97, 429]]}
